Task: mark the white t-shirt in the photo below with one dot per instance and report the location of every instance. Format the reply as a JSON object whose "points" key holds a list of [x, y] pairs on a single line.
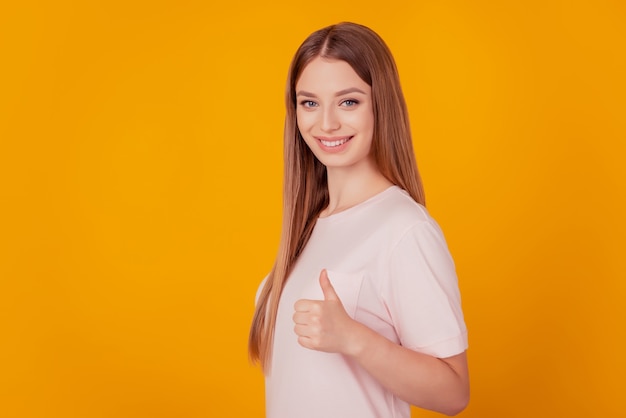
{"points": [[389, 263]]}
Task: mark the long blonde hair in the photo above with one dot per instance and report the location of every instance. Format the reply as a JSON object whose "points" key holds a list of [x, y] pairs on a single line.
{"points": [[305, 186]]}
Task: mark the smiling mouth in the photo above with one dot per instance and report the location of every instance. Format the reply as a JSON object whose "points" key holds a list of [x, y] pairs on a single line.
{"points": [[335, 143]]}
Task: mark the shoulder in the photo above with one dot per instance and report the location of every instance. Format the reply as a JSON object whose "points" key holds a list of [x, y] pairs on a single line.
{"points": [[399, 210], [410, 223], [394, 218]]}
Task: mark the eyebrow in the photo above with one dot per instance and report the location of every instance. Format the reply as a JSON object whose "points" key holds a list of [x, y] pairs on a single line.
{"points": [[339, 93]]}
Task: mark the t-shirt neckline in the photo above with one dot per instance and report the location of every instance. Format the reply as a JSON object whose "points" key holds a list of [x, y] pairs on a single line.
{"points": [[346, 212]]}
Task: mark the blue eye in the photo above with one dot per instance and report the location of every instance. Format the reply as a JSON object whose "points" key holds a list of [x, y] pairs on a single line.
{"points": [[349, 102], [308, 103]]}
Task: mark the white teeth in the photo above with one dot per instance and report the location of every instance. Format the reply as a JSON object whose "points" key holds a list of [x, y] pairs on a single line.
{"points": [[334, 143]]}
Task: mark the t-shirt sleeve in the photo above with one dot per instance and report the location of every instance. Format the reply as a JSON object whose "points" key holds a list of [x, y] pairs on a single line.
{"points": [[422, 295]]}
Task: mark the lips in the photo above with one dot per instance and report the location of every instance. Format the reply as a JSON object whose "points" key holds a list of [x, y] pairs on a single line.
{"points": [[334, 142]]}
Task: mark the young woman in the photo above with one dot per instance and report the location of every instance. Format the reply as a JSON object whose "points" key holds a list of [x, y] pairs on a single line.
{"points": [[361, 314]]}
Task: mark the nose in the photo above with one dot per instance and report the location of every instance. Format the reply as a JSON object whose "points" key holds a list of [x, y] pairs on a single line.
{"points": [[330, 120]]}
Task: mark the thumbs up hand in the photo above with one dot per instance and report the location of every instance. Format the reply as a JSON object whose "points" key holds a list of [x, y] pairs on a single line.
{"points": [[323, 325]]}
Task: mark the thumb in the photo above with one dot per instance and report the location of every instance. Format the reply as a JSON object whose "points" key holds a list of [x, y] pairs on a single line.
{"points": [[327, 287]]}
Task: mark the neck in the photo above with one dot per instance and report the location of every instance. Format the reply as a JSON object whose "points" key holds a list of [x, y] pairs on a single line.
{"points": [[349, 186]]}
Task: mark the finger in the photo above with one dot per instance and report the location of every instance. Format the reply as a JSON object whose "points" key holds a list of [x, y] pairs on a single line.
{"points": [[303, 305], [300, 318], [301, 330], [305, 342], [327, 287]]}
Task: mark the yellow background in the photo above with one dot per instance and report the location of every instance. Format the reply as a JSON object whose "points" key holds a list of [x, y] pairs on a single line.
{"points": [[140, 195]]}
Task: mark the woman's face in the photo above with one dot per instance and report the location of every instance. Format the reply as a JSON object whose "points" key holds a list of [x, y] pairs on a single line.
{"points": [[334, 113]]}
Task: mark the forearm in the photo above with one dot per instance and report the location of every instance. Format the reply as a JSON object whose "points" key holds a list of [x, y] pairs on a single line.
{"points": [[428, 382], [440, 385]]}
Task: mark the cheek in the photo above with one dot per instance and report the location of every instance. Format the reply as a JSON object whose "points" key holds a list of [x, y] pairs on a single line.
{"points": [[304, 123], [369, 118], [304, 120], [364, 121], [370, 127]]}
